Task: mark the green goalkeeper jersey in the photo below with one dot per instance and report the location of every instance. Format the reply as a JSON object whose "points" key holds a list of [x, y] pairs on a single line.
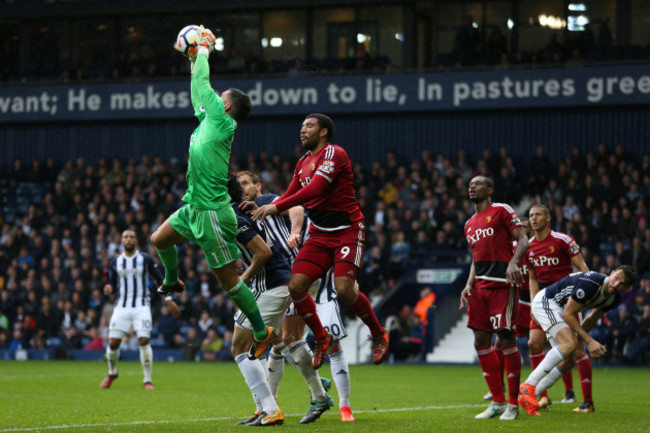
{"points": [[210, 143]]}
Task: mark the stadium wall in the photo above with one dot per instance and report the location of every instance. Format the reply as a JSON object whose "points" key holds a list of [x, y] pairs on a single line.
{"points": [[365, 136]]}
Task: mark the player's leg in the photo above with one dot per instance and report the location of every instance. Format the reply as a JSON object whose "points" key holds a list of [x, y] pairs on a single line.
{"points": [[118, 328], [174, 230], [583, 362], [332, 320], [490, 366], [536, 341], [254, 375], [312, 262], [273, 304], [215, 233], [142, 325], [512, 365], [348, 253]]}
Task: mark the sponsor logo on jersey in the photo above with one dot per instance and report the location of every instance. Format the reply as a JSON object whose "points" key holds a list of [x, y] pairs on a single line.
{"points": [[479, 234], [545, 261], [329, 162]]}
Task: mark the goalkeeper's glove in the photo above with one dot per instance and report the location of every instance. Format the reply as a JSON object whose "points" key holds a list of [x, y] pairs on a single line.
{"points": [[206, 43]]}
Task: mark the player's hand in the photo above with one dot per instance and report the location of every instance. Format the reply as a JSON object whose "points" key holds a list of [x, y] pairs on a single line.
{"points": [[262, 212], [596, 349], [293, 241], [108, 289], [464, 297], [248, 206], [174, 309], [207, 38], [514, 276]]}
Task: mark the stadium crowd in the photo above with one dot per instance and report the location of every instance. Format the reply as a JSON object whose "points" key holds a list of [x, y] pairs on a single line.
{"points": [[62, 221]]}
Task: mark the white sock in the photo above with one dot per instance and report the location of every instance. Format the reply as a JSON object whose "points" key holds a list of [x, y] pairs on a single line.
{"points": [[255, 378], [553, 358], [275, 372], [146, 359], [287, 355], [341, 377], [548, 380], [112, 356], [303, 357]]}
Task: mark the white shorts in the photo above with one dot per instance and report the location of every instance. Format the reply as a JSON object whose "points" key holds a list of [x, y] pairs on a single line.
{"points": [[123, 318], [548, 314], [313, 291], [330, 317], [273, 305]]}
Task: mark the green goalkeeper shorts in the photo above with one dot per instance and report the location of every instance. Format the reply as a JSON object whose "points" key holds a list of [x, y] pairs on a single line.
{"points": [[213, 230]]}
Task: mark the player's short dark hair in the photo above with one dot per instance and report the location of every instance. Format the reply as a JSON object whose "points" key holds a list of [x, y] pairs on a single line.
{"points": [[324, 122], [240, 104], [629, 273], [234, 188], [488, 182], [254, 176], [543, 207]]}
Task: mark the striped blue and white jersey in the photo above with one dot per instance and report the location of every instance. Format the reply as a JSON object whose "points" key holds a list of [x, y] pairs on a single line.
{"points": [[131, 277], [279, 227], [276, 271], [585, 288], [326, 290]]}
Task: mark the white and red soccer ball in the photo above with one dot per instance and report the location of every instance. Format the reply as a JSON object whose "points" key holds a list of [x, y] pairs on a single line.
{"points": [[187, 41]]}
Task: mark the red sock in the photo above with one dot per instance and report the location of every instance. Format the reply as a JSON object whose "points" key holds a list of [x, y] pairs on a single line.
{"points": [[362, 308], [535, 360], [568, 380], [490, 366], [306, 308], [512, 362], [584, 370], [499, 353]]}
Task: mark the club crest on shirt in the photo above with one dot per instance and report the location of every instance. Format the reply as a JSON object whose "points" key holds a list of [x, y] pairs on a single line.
{"points": [[552, 249], [313, 166], [488, 218]]}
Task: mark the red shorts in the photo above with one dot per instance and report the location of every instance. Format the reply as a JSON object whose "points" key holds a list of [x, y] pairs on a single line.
{"points": [[342, 249], [491, 310], [523, 319]]}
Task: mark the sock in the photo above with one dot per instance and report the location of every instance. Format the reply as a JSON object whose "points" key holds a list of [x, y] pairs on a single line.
{"points": [[341, 376], [112, 356], [146, 359], [552, 358], [362, 308], [256, 380], [584, 370], [490, 366], [499, 352], [245, 301], [303, 357], [306, 308], [169, 259], [568, 381], [535, 359], [275, 370], [287, 354], [512, 363], [548, 380]]}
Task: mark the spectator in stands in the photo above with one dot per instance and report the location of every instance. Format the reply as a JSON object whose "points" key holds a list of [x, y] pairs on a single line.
{"points": [[622, 330], [641, 342], [211, 344], [192, 345]]}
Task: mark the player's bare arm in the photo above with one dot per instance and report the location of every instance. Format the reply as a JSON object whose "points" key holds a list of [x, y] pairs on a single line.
{"points": [[261, 254], [569, 313], [513, 273], [467, 291], [578, 263], [297, 217]]}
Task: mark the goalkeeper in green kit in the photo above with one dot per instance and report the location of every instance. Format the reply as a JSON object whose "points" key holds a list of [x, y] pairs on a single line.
{"points": [[207, 219]]}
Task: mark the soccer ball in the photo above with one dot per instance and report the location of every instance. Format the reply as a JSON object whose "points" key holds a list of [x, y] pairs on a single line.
{"points": [[187, 41]]}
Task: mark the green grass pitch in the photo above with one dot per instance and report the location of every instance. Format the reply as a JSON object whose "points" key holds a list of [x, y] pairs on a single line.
{"points": [[65, 396]]}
